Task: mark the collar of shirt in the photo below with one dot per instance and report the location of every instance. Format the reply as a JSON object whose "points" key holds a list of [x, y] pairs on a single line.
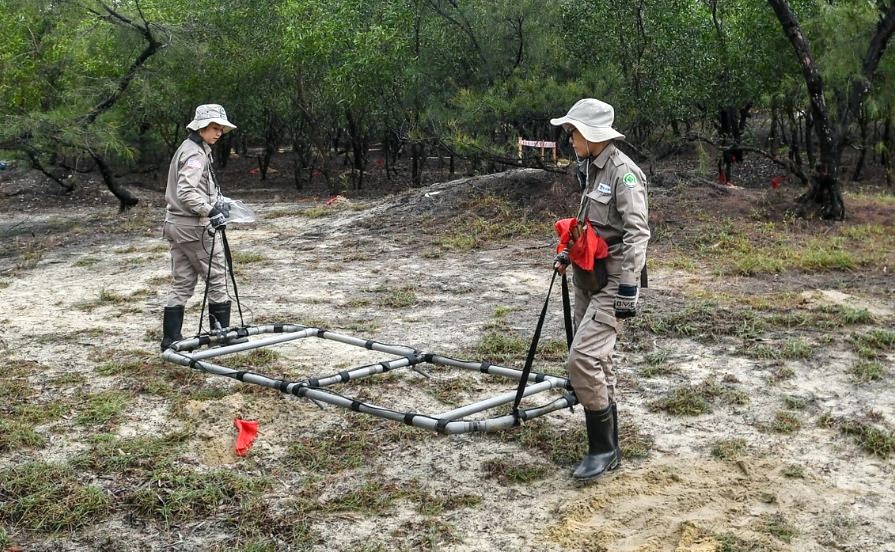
{"points": [[600, 160]]}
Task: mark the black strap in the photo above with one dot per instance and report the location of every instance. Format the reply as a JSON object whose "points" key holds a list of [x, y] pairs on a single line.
{"points": [[229, 259], [529, 359], [567, 311]]}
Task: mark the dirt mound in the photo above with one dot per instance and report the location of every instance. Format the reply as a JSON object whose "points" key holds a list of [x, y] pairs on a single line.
{"points": [[529, 189]]}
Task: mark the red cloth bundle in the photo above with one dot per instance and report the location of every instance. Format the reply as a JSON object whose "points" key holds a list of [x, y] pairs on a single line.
{"points": [[586, 249]]}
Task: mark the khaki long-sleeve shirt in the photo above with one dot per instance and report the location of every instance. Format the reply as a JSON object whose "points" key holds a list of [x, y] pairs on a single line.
{"points": [[615, 201], [191, 191]]}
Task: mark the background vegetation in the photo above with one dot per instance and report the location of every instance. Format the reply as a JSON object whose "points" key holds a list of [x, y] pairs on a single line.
{"points": [[97, 85]]}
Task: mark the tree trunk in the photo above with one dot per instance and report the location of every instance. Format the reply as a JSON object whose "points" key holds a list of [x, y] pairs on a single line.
{"points": [[862, 124], [824, 188], [126, 200]]}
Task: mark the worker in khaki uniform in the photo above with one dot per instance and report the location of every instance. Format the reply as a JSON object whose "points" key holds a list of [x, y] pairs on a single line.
{"points": [[194, 214], [614, 200]]}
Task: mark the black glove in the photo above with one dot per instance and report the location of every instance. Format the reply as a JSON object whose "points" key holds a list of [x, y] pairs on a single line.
{"points": [[224, 206], [626, 301], [217, 218], [562, 258]]}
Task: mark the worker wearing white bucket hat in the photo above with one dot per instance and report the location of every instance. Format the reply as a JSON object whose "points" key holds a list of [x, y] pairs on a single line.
{"points": [[195, 204], [614, 200]]}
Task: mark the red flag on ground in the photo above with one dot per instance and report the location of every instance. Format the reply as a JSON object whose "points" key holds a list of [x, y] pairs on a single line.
{"points": [[248, 430], [586, 248], [776, 181]]}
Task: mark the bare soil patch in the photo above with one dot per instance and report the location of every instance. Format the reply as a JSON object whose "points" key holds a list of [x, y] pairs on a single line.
{"points": [[757, 400]]}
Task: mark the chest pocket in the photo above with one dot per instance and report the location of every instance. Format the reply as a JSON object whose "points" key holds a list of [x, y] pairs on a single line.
{"points": [[598, 207]]}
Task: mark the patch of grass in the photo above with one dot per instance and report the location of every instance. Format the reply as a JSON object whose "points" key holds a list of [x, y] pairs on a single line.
{"points": [[247, 257], [684, 401], [792, 349], [728, 449], [508, 471], [782, 373], [795, 403], [86, 261], [793, 471], [102, 408], [48, 498], [176, 495], [400, 298], [778, 526], [488, 219], [785, 421], [15, 435], [451, 391], [701, 320], [872, 344], [501, 346], [874, 440], [429, 533], [108, 298], [256, 359], [656, 364], [436, 505], [865, 371], [371, 498], [314, 212], [334, 451], [693, 400], [134, 456]]}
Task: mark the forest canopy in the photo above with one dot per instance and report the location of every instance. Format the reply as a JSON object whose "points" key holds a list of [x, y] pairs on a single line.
{"points": [[94, 84]]}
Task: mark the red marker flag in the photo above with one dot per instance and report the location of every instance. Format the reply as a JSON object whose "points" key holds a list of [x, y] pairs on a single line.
{"points": [[248, 430]]}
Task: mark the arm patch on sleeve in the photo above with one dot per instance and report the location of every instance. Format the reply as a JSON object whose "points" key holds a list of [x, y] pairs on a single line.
{"points": [[194, 162], [630, 180]]}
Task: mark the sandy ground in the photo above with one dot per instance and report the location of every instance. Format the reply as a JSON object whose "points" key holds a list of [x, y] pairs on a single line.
{"points": [[333, 271]]}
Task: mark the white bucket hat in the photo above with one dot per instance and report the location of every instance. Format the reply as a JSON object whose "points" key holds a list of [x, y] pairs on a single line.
{"points": [[210, 113], [592, 118]]}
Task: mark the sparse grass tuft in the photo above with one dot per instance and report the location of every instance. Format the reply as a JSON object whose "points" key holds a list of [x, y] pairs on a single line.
{"points": [[872, 344], [508, 472], [102, 408], [15, 435], [793, 471], [247, 257], [176, 495], [777, 525], [865, 371], [47, 498], [502, 346], [693, 400], [872, 439], [134, 456], [785, 422], [400, 298], [728, 449], [334, 451]]}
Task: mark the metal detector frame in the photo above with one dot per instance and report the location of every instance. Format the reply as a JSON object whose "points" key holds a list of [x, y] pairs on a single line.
{"points": [[187, 352]]}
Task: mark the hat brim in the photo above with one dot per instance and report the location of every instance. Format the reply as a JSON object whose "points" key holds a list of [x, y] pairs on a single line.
{"points": [[197, 125], [590, 133]]}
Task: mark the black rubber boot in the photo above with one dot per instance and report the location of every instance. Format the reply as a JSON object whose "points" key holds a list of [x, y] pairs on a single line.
{"points": [[602, 454], [219, 319], [218, 315], [171, 326], [618, 450]]}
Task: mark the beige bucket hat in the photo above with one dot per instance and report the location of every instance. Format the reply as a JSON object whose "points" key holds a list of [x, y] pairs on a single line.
{"points": [[592, 118], [210, 113]]}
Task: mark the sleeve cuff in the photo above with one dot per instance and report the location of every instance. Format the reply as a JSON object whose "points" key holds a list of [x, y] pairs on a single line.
{"points": [[630, 278]]}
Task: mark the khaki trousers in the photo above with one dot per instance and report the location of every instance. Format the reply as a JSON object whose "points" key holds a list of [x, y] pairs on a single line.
{"points": [[190, 248], [590, 358]]}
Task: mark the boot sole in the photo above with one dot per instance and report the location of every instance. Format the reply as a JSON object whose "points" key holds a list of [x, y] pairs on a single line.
{"points": [[613, 467]]}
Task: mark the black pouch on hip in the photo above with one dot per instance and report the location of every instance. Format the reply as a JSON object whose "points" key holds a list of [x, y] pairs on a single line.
{"points": [[591, 280]]}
